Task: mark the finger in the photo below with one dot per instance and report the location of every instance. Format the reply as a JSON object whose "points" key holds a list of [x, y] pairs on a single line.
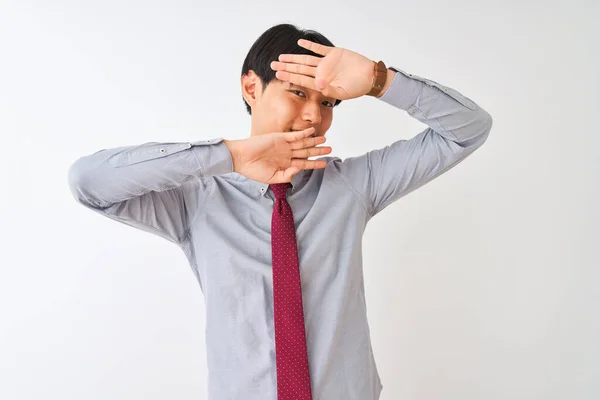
{"points": [[294, 68], [312, 152], [303, 59], [314, 47], [297, 79], [285, 176], [308, 142], [308, 164], [290, 172], [299, 135]]}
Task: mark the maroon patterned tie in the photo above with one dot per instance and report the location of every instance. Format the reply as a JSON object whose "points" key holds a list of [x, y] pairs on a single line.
{"points": [[293, 379]]}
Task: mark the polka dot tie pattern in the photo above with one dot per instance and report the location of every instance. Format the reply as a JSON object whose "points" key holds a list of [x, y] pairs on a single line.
{"points": [[291, 356]]}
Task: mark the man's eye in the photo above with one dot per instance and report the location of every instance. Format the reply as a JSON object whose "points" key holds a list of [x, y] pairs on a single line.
{"points": [[329, 104]]}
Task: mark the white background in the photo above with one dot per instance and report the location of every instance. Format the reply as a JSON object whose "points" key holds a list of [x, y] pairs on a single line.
{"points": [[483, 284]]}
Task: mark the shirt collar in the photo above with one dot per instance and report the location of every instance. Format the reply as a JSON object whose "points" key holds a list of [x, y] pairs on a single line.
{"points": [[262, 188]]}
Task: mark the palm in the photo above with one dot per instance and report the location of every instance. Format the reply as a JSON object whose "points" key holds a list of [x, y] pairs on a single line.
{"points": [[344, 70], [341, 73], [276, 157]]}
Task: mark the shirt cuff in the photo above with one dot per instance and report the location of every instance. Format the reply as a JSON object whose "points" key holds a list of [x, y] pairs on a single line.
{"points": [[403, 91], [214, 157]]}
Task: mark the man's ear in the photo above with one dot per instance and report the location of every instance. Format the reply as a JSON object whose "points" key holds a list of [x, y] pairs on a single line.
{"points": [[250, 85]]}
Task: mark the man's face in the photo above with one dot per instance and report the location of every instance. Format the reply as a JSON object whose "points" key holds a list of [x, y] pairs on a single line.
{"points": [[283, 106]]}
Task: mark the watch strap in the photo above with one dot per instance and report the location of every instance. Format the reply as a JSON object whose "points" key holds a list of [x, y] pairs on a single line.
{"points": [[379, 78]]}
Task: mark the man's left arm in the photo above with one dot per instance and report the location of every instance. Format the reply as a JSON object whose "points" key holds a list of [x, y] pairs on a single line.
{"points": [[457, 126]]}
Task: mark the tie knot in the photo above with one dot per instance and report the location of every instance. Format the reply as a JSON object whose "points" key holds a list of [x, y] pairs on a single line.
{"points": [[279, 189]]}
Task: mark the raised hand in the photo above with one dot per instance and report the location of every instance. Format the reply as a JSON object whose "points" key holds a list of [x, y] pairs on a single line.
{"points": [[277, 157], [342, 74]]}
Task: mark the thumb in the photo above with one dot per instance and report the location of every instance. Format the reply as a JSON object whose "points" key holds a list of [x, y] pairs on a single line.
{"points": [[290, 172], [320, 83]]}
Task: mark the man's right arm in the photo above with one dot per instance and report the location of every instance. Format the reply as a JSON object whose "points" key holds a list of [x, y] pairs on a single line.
{"points": [[155, 187]]}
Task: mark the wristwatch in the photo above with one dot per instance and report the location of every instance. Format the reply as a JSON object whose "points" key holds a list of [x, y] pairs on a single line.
{"points": [[379, 78]]}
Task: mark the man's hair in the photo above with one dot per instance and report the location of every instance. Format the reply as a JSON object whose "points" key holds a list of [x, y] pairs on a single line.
{"points": [[279, 39]]}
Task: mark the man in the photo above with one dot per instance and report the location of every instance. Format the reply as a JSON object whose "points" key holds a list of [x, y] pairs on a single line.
{"points": [[274, 238]]}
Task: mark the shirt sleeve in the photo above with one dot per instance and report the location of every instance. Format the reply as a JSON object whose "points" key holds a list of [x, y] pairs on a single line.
{"points": [[456, 127], [155, 187]]}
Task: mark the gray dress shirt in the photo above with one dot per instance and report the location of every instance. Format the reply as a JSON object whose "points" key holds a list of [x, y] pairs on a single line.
{"points": [[188, 194]]}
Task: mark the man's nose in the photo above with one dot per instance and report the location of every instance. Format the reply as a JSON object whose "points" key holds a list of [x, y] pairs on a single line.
{"points": [[312, 113]]}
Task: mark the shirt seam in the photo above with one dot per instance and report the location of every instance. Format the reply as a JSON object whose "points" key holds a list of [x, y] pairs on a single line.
{"points": [[361, 199], [200, 208], [159, 232]]}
